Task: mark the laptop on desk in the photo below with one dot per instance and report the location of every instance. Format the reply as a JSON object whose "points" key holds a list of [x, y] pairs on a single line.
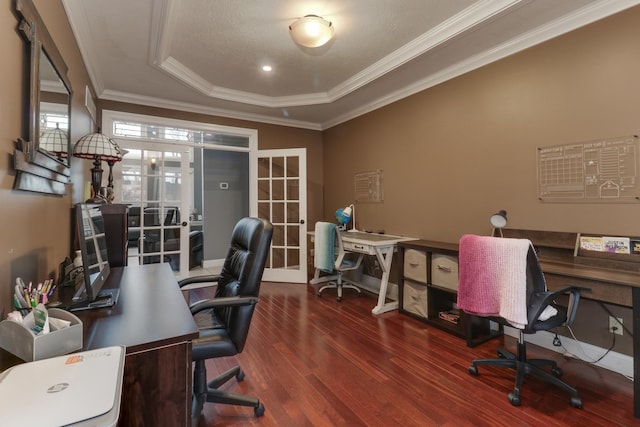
{"points": [[79, 389]]}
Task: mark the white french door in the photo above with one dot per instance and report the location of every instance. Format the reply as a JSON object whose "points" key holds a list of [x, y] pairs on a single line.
{"points": [[153, 178], [282, 199]]}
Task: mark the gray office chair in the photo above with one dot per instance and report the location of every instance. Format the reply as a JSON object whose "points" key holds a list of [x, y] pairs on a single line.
{"points": [[224, 320], [329, 256], [483, 260]]}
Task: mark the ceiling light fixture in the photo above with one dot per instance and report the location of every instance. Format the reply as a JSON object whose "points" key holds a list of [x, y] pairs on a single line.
{"points": [[311, 31], [266, 68]]}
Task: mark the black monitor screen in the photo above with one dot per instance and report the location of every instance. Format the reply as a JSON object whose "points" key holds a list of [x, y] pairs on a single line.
{"points": [[93, 246]]}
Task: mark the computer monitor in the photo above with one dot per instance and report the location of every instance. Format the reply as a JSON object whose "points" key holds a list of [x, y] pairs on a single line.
{"points": [[95, 263]]}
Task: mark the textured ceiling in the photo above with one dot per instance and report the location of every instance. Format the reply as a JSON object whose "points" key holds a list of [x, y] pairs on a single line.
{"points": [[206, 56]]}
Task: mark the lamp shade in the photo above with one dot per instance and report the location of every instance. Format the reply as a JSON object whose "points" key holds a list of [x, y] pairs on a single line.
{"points": [[499, 219], [346, 215], [343, 216], [96, 145], [311, 31], [55, 141]]}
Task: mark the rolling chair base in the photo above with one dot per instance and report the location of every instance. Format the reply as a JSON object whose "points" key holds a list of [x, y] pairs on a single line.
{"points": [[524, 366], [211, 393], [338, 287]]}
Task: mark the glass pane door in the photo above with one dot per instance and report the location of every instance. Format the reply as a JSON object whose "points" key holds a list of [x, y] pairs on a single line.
{"points": [[281, 198], [155, 185]]}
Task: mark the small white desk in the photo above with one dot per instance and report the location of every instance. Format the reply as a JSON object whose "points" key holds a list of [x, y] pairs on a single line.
{"points": [[380, 245]]}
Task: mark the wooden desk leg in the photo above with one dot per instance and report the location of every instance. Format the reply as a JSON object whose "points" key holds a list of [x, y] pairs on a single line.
{"points": [[384, 256], [635, 301]]}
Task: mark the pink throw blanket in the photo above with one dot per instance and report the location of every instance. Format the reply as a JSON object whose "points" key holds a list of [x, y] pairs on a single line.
{"points": [[493, 277]]}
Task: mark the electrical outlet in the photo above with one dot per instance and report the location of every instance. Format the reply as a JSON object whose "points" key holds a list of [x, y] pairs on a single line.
{"points": [[617, 323]]}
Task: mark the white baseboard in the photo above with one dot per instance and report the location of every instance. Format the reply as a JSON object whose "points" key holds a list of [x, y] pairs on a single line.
{"points": [[616, 362]]}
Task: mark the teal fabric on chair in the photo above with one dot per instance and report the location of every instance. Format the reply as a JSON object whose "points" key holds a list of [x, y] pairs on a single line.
{"points": [[325, 241], [329, 257]]}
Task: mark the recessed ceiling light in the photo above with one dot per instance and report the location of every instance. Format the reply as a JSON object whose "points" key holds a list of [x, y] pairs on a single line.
{"points": [[266, 68]]}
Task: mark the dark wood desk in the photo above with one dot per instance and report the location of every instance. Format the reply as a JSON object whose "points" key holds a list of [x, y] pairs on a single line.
{"points": [[153, 321], [608, 278]]}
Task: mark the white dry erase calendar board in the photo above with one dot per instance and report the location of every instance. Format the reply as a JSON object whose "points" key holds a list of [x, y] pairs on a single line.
{"points": [[602, 171], [368, 187]]}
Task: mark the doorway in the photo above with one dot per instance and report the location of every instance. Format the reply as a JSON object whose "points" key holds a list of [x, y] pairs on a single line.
{"points": [[279, 176], [151, 180]]}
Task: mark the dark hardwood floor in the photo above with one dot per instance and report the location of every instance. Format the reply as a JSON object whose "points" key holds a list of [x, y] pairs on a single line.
{"points": [[316, 362]]}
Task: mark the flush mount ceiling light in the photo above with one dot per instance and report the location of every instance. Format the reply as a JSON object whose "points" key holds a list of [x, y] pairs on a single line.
{"points": [[311, 31]]}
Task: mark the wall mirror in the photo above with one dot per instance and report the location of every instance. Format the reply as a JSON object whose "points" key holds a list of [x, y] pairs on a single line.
{"points": [[42, 155]]}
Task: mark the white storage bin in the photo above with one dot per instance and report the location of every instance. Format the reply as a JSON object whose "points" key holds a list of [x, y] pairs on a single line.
{"points": [[414, 298], [24, 343], [444, 271], [415, 265]]}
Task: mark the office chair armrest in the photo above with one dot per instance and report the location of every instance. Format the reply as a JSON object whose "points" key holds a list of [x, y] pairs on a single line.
{"points": [[541, 300], [207, 304], [199, 279]]}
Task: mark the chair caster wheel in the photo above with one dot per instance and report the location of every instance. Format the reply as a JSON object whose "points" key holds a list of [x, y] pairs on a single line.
{"points": [[259, 410], [515, 400], [557, 372], [473, 370], [240, 375], [339, 299], [576, 402], [318, 294]]}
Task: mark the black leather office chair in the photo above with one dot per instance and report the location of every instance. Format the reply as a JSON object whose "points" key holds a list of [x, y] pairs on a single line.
{"points": [[224, 321], [538, 299]]}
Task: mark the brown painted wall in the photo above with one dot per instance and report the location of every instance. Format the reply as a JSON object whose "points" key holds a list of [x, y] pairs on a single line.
{"points": [[35, 228], [456, 153]]}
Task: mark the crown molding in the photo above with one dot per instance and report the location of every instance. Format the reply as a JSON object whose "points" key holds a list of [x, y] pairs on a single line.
{"points": [[150, 101], [163, 26], [474, 15], [583, 17], [176, 69], [164, 16], [80, 28]]}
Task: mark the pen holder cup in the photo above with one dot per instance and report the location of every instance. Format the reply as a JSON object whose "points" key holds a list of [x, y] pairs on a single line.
{"points": [[24, 343]]}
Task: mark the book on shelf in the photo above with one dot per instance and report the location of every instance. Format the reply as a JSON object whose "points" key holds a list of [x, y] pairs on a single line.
{"points": [[591, 243], [634, 246], [451, 316], [618, 245]]}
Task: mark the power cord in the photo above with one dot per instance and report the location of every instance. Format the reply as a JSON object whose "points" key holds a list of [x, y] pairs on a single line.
{"points": [[624, 327], [613, 343]]}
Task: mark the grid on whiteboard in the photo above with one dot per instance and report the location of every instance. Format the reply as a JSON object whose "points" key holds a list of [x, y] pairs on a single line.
{"points": [[603, 171]]}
